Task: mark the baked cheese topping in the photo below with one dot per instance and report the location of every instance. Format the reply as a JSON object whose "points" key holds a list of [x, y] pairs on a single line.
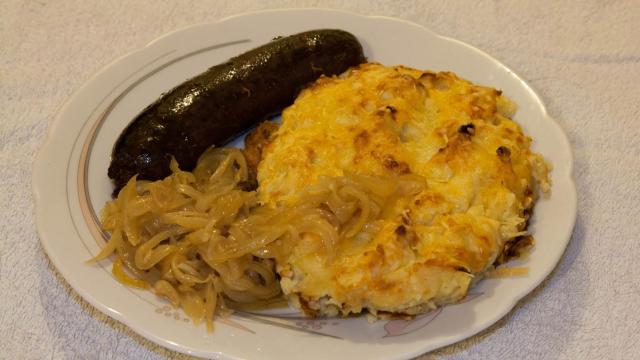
{"points": [[481, 178]]}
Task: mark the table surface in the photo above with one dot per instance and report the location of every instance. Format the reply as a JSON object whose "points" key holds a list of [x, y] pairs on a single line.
{"points": [[583, 58]]}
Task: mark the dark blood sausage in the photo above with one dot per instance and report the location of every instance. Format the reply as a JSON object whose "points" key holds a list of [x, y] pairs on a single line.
{"points": [[217, 105]]}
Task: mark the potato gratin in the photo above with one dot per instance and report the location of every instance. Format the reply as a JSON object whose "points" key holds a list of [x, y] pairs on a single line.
{"points": [[424, 250]]}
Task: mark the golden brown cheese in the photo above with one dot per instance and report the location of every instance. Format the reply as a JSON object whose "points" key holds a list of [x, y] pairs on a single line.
{"points": [[482, 180]]}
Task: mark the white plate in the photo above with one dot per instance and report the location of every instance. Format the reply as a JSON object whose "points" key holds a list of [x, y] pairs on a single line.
{"points": [[71, 186]]}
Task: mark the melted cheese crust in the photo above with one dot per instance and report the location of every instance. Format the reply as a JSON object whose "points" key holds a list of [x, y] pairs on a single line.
{"points": [[482, 180]]}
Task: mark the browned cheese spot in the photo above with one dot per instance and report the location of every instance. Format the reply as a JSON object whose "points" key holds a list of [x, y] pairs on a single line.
{"points": [[390, 163], [514, 248], [467, 129], [504, 153], [427, 79], [304, 304], [311, 155], [361, 140]]}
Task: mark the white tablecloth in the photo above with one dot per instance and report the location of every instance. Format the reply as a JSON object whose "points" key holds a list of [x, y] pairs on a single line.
{"points": [[582, 57]]}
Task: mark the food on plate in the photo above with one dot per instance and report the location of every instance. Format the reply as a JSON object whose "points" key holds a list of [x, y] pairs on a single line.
{"points": [[480, 182], [185, 237], [386, 190], [227, 99], [204, 243]]}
